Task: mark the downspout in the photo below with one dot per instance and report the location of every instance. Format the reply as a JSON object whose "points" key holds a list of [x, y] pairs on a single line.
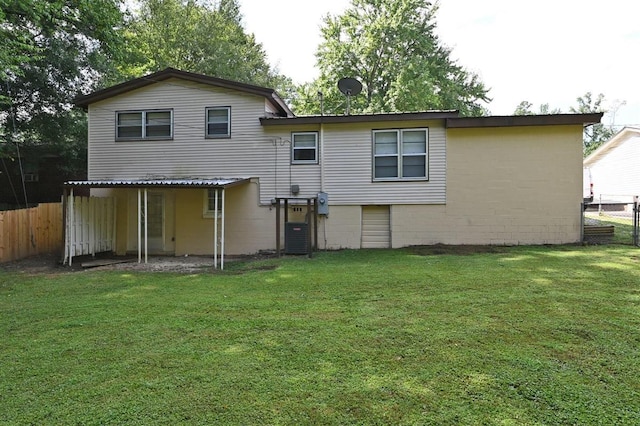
{"points": [[324, 221], [321, 156], [321, 142]]}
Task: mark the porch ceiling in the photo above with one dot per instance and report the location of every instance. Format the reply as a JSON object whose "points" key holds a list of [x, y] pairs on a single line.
{"points": [[158, 183]]}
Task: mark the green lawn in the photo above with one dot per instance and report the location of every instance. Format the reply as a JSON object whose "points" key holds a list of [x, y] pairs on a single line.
{"points": [[523, 335], [623, 226]]}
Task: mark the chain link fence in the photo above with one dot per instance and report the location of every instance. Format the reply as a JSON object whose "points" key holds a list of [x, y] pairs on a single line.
{"points": [[612, 219]]}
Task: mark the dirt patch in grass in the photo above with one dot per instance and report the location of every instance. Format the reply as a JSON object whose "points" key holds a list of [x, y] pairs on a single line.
{"points": [[442, 249], [46, 263], [51, 264]]}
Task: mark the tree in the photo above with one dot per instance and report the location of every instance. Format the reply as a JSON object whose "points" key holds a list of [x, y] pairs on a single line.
{"points": [[596, 134], [524, 108], [200, 37], [392, 48], [51, 52]]}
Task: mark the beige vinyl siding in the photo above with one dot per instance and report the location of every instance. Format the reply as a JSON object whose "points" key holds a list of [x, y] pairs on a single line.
{"points": [[376, 227], [250, 152], [348, 167], [306, 176]]}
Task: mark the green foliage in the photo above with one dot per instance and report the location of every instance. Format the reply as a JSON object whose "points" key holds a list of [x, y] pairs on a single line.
{"points": [[597, 134], [524, 108], [594, 135], [199, 37], [523, 335], [51, 52], [392, 48]]}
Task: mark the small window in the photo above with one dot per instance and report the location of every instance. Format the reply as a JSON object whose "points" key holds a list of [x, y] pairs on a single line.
{"points": [[209, 208], [140, 125], [219, 122], [304, 148], [400, 154]]}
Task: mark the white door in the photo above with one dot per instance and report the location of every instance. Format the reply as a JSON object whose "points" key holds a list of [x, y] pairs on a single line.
{"points": [[155, 222], [376, 227], [160, 222]]}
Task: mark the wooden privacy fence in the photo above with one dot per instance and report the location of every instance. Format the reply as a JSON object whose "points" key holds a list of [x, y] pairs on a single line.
{"points": [[28, 232]]}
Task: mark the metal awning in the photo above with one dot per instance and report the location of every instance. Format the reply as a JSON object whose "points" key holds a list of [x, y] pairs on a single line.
{"points": [[158, 183], [142, 185]]}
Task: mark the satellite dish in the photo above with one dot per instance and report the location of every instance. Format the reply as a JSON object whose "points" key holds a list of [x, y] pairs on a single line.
{"points": [[349, 87]]}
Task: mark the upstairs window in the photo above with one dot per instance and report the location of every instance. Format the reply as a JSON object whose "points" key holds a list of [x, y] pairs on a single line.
{"points": [[400, 154], [218, 122], [141, 125], [304, 148]]}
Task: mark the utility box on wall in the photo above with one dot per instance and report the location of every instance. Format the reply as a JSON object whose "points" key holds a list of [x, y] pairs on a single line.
{"points": [[296, 238], [323, 203]]}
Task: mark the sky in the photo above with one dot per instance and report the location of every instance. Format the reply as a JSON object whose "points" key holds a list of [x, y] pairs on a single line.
{"points": [[547, 51]]}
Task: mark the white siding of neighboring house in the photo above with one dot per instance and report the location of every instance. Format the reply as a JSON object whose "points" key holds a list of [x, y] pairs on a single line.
{"points": [[616, 175]]}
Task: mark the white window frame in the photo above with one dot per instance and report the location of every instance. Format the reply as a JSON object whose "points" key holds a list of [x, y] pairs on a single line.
{"points": [[144, 125], [400, 155], [206, 122], [294, 148], [209, 212]]}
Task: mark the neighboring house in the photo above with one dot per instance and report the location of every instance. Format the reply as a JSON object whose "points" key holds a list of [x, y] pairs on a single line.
{"points": [[614, 167], [32, 175], [392, 180]]}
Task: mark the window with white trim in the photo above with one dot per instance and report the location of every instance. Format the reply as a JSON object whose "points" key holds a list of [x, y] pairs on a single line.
{"points": [[218, 122], [209, 205], [304, 148], [400, 154], [144, 125]]}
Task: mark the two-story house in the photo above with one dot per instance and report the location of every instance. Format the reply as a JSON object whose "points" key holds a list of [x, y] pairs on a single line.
{"points": [[206, 158]]}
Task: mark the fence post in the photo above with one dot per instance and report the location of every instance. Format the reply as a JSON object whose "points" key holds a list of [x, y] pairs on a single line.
{"points": [[600, 205], [583, 210], [636, 220], [3, 241]]}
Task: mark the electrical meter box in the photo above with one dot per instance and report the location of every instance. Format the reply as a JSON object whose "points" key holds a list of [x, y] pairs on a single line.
{"points": [[323, 203]]}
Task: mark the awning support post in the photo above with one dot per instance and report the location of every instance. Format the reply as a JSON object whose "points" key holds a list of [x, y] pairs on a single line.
{"points": [[278, 227], [222, 242], [139, 226], [72, 234], [215, 229], [146, 227], [308, 216], [65, 194]]}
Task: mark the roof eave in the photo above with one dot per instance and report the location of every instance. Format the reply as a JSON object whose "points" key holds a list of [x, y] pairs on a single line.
{"points": [[160, 76], [524, 120], [616, 140], [360, 118]]}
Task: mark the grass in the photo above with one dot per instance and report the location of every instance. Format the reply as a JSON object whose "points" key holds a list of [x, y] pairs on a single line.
{"points": [[623, 226], [520, 336]]}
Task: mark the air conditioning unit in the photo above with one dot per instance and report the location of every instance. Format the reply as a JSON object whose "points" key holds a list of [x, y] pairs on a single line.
{"points": [[296, 239], [30, 177]]}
